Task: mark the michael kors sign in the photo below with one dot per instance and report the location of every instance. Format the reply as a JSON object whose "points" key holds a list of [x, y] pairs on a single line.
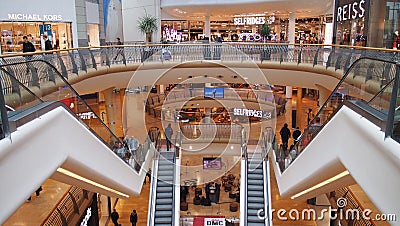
{"points": [[34, 17]]}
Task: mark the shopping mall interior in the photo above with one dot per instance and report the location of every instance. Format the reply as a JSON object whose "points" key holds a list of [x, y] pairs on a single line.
{"points": [[218, 123]]}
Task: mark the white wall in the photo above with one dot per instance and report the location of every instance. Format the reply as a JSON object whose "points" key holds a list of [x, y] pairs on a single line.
{"points": [[41, 9], [132, 11]]}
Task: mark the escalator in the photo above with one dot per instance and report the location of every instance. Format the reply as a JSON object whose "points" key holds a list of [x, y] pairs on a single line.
{"points": [[357, 133], [50, 140], [255, 192], [163, 185], [257, 201]]}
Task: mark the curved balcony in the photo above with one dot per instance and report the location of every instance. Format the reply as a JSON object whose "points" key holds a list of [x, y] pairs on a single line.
{"points": [[326, 62]]}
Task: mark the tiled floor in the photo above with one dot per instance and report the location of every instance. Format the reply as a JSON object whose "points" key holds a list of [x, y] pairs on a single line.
{"points": [[34, 213]]}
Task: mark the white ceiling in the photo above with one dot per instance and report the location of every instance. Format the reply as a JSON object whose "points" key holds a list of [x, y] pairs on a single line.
{"points": [[220, 11]]}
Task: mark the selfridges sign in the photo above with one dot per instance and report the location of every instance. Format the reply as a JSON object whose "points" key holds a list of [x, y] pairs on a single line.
{"points": [[351, 11]]}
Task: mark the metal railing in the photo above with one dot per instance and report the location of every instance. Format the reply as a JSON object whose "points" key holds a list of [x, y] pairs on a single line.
{"points": [[352, 212], [69, 207], [69, 62]]}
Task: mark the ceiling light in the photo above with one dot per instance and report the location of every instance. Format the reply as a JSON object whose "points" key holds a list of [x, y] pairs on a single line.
{"points": [[323, 183]]}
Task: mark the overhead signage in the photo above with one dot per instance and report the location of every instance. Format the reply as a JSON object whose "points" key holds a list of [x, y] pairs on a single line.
{"points": [[214, 221], [252, 113], [34, 17], [251, 20], [351, 11]]}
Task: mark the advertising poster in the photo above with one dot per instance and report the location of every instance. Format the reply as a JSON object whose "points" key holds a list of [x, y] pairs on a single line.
{"points": [[113, 19]]}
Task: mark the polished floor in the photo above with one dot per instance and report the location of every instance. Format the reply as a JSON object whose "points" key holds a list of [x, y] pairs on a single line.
{"points": [[34, 212]]}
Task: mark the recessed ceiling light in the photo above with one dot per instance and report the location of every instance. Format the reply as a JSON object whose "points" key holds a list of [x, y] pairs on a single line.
{"points": [[179, 78]]}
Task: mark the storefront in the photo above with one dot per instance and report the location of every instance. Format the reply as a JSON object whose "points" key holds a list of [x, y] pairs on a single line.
{"points": [[245, 28], [55, 19], [354, 24]]}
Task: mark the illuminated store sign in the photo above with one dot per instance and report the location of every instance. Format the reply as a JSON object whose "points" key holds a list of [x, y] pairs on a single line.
{"points": [[34, 17], [86, 115], [249, 20], [214, 221], [351, 11], [252, 113]]}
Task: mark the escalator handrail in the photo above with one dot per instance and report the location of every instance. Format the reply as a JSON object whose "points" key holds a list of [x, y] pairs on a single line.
{"points": [[301, 138], [153, 189]]}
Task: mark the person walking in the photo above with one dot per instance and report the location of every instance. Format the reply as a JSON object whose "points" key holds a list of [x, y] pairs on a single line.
{"points": [[133, 218], [37, 193], [168, 136], [27, 47], [296, 134], [47, 43], [119, 49], [115, 217], [285, 135]]}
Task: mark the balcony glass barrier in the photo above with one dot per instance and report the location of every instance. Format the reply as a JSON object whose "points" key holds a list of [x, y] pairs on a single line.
{"points": [[368, 80], [58, 89], [70, 62]]}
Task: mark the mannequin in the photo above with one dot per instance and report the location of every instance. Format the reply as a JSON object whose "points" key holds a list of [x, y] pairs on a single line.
{"points": [[396, 43]]}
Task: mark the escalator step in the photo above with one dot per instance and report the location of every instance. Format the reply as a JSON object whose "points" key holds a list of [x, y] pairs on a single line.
{"points": [[255, 182], [256, 206], [255, 200], [253, 212], [163, 183], [255, 171], [160, 224], [164, 195], [168, 168], [255, 194], [163, 207], [164, 189], [166, 177], [163, 213], [164, 202], [255, 176], [165, 173], [163, 220], [255, 187]]}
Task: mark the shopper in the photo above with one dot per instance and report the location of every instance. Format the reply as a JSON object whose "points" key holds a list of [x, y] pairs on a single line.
{"points": [[119, 49], [115, 217], [27, 47], [47, 43], [285, 135], [168, 136], [133, 218], [296, 134], [37, 193]]}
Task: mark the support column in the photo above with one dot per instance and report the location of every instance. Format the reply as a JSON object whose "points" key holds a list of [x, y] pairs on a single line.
{"points": [[162, 89], [208, 115], [207, 29], [288, 92], [323, 94], [376, 21], [108, 99], [291, 29], [299, 107]]}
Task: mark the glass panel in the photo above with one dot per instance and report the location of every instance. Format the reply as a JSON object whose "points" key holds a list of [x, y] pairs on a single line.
{"points": [[396, 121]]}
